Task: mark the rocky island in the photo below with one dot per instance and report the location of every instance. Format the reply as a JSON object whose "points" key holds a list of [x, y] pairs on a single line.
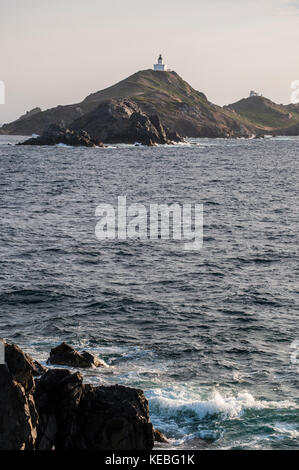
{"points": [[154, 107]]}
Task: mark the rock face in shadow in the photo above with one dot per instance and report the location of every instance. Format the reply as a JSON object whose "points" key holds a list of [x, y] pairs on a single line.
{"points": [[55, 135], [123, 121], [83, 417], [58, 411], [18, 414], [68, 356]]}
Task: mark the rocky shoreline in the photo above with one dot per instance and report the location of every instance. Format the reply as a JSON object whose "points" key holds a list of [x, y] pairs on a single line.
{"points": [[116, 121], [55, 135], [52, 409]]}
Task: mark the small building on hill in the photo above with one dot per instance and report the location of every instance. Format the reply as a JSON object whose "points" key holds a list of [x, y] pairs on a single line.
{"points": [[254, 93], [160, 66]]}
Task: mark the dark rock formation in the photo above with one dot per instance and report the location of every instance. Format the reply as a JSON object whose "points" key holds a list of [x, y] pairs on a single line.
{"points": [[40, 121], [18, 414], [83, 417], [159, 436], [68, 356], [30, 113], [123, 121], [54, 135], [57, 411]]}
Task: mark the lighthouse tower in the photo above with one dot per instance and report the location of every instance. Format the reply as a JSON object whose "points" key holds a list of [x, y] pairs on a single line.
{"points": [[160, 66]]}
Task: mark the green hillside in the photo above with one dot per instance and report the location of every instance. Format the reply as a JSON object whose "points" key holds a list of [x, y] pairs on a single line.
{"points": [[264, 114]]}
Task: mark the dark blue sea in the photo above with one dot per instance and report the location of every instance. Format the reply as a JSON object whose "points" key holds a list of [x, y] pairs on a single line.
{"points": [[211, 336]]}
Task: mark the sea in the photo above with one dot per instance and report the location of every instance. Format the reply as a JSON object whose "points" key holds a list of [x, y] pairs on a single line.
{"points": [[211, 336]]}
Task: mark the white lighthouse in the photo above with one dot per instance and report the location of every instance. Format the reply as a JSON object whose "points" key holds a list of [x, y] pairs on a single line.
{"points": [[160, 66]]}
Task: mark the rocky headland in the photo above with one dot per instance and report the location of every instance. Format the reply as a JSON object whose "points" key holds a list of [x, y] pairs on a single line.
{"points": [[147, 107], [53, 409], [153, 107]]}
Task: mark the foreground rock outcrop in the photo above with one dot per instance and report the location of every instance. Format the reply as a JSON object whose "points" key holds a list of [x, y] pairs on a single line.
{"points": [[122, 120], [68, 356], [55, 135], [58, 412], [18, 413]]}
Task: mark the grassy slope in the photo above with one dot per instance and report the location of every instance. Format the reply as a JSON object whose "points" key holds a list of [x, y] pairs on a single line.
{"points": [[148, 85], [168, 95], [265, 114]]}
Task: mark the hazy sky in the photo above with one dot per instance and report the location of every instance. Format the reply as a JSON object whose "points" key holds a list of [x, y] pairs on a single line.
{"points": [[58, 51]]}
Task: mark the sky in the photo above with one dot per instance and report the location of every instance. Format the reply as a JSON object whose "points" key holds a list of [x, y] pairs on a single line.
{"points": [[58, 51]]}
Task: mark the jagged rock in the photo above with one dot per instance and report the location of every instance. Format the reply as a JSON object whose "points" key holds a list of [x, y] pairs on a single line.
{"points": [[18, 415], [55, 135], [57, 411], [21, 364], [30, 113], [38, 369], [159, 436], [74, 416], [68, 356], [115, 417], [122, 120], [93, 360]]}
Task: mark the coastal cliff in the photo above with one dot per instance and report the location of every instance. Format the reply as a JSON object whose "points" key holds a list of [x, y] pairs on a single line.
{"points": [[57, 411]]}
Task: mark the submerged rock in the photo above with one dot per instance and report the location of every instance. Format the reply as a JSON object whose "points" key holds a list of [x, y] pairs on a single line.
{"points": [[68, 356], [57, 411], [55, 135]]}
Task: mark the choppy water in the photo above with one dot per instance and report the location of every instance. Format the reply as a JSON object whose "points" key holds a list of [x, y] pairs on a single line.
{"points": [[206, 334]]}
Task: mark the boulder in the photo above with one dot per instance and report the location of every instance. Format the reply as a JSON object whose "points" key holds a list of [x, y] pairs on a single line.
{"points": [[21, 365], [68, 356], [55, 135], [93, 360]]}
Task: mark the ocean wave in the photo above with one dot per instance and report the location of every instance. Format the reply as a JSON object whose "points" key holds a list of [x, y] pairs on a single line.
{"points": [[63, 145], [169, 405]]}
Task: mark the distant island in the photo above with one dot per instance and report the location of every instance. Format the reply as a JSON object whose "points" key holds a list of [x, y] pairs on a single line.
{"points": [[158, 106]]}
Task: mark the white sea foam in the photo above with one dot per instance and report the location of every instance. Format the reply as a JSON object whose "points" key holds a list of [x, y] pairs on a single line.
{"points": [[171, 406], [287, 430], [63, 145]]}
